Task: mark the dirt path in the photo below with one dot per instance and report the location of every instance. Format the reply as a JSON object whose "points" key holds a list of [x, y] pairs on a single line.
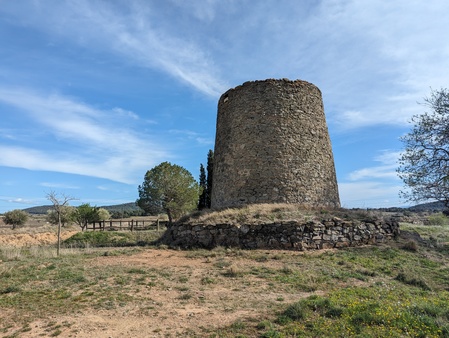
{"points": [[192, 297], [177, 309]]}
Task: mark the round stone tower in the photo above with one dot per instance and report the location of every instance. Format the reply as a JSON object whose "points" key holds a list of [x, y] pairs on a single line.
{"points": [[272, 146]]}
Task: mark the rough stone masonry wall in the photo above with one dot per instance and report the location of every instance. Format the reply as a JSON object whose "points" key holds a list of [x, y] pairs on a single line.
{"points": [[292, 235], [272, 146]]}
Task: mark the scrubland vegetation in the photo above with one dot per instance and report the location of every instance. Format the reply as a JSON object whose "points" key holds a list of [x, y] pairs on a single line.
{"points": [[396, 289]]}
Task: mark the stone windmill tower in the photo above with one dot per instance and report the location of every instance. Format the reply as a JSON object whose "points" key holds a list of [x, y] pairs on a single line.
{"points": [[272, 146]]}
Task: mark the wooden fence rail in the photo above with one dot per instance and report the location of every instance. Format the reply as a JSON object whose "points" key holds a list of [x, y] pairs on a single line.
{"points": [[132, 225]]}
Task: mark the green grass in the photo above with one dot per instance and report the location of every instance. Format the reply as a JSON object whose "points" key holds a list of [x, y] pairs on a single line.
{"points": [[402, 292], [375, 311], [437, 234], [372, 291], [112, 239], [34, 286]]}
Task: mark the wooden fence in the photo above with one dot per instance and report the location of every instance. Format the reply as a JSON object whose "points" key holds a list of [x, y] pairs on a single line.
{"points": [[131, 225]]}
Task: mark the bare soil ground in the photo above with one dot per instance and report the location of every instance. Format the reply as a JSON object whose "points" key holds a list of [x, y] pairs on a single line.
{"points": [[199, 293], [157, 292], [173, 310], [30, 239]]}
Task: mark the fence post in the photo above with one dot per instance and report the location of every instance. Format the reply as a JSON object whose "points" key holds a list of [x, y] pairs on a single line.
{"points": [[157, 223], [132, 224]]}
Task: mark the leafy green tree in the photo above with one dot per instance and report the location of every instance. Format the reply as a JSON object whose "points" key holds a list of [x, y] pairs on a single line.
{"points": [[66, 215], [15, 218], [209, 180], [103, 214], [203, 187], [424, 165], [85, 214], [168, 188]]}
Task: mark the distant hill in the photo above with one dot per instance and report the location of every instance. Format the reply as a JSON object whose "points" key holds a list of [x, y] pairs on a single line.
{"points": [[40, 210], [432, 206], [131, 209], [125, 209]]}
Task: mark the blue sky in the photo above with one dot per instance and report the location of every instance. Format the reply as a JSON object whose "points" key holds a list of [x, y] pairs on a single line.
{"points": [[95, 93]]}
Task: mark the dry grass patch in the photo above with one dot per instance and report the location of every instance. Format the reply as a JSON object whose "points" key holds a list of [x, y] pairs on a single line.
{"points": [[226, 292], [252, 214], [277, 212]]}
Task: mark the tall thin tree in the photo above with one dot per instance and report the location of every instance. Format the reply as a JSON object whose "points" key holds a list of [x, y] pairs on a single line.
{"points": [[202, 203], [210, 175], [59, 202]]}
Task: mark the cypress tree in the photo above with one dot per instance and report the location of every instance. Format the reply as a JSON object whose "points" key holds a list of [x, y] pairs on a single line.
{"points": [[203, 186], [210, 172]]}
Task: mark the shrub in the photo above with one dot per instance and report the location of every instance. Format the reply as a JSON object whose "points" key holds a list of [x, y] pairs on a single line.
{"points": [[15, 218], [100, 239], [411, 245], [296, 311], [401, 277], [438, 219], [9, 289], [233, 272]]}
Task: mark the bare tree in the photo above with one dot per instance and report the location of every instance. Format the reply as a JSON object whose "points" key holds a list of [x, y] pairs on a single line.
{"points": [[59, 204], [424, 165]]}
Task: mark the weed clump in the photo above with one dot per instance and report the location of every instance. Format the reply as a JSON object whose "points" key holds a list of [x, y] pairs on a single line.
{"points": [[296, 311], [403, 278], [9, 289], [438, 219], [411, 245]]}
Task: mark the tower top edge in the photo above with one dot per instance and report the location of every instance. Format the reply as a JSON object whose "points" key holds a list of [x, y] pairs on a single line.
{"points": [[282, 81]]}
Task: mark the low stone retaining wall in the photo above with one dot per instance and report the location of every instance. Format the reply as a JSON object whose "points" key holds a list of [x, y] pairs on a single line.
{"points": [[291, 235]]}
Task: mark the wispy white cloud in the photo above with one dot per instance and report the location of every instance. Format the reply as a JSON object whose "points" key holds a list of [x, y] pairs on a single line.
{"points": [[387, 169], [394, 47], [375, 186], [125, 113], [374, 172], [134, 31], [361, 54], [8, 134], [372, 60], [58, 185], [91, 141], [370, 194], [17, 200], [203, 10], [192, 135]]}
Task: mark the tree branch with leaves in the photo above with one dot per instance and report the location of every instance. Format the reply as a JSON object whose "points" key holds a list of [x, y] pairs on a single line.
{"points": [[168, 188], [424, 164]]}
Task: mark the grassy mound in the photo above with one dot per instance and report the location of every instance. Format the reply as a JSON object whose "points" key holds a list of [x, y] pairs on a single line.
{"points": [[111, 239], [270, 213]]}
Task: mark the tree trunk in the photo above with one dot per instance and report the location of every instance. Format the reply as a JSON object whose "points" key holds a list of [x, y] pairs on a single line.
{"points": [[170, 217], [59, 235]]}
